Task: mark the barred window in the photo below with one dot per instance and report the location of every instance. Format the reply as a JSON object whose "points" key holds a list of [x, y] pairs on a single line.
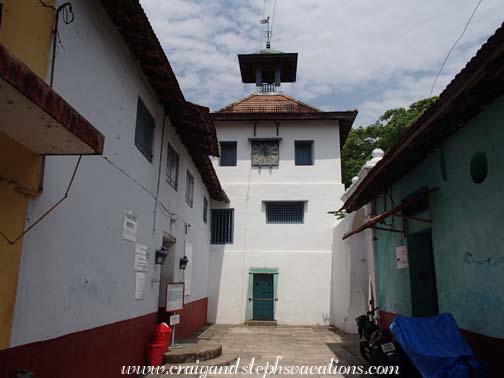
{"points": [[285, 212], [222, 226]]}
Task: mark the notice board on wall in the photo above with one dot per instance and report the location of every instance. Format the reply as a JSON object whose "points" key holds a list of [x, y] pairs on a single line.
{"points": [[174, 296]]}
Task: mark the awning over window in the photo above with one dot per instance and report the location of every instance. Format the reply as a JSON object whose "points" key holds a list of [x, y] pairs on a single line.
{"points": [[34, 115], [405, 204]]}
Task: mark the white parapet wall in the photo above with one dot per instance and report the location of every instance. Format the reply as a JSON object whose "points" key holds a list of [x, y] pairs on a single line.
{"points": [[352, 273]]}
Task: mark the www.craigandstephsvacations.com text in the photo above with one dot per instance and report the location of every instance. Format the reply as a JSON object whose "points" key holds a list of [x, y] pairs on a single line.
{"points": [[262, 369]]}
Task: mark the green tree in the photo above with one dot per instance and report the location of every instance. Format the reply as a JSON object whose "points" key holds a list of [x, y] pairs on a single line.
{"points": [[384, 133]]}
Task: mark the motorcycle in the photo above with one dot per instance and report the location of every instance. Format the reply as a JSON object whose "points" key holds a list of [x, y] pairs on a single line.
{"points": [[376, 345]]}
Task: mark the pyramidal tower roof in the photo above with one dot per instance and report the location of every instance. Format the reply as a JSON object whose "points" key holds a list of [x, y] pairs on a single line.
{"points": [[268, 68]]}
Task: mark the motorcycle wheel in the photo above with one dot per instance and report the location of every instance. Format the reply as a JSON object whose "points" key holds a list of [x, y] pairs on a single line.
{"points": [[365, 352]]}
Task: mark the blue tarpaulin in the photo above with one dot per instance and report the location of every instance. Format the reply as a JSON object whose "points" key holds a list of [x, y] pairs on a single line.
{"points": [[436, 348]]}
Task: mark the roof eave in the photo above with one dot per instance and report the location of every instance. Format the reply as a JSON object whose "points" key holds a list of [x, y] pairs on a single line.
{"points": [[345, 118]]}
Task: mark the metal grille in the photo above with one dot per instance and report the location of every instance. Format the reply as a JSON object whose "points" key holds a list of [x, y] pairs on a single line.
{"points": [[267, 88], [285, 212], [222, 226]]}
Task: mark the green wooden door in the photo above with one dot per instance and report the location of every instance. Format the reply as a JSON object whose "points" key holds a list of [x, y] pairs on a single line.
{"points": [[263, 297], [424, 300]]}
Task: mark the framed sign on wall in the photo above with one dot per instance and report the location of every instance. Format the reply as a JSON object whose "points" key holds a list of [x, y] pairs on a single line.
{"points": [[174, 296]]}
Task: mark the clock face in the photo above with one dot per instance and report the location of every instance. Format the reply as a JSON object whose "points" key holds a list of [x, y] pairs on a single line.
{"points": [[265, 153]]}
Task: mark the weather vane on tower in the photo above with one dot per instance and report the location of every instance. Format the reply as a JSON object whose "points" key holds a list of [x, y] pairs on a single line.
{"points": [[268, 33]]}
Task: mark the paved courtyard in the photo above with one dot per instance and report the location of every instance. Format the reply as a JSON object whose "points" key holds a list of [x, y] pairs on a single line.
{"points": [[298, 346], [311, 346]]}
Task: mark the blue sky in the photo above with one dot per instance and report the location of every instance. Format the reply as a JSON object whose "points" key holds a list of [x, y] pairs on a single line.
{"points": [[353, 54]]}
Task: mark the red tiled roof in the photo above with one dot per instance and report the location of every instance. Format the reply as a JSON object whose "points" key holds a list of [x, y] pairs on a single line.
{"points": [[268, 103]]}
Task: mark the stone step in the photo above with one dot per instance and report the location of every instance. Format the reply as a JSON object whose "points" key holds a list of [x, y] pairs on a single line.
{"points": [[191, 352], [262, 323]]}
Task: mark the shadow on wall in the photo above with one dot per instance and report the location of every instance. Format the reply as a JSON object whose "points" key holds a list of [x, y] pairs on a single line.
{"points": [[215, 264], [349, 275]]}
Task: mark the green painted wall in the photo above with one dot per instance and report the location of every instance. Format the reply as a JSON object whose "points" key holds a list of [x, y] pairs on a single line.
{"points": [[467, 227]]}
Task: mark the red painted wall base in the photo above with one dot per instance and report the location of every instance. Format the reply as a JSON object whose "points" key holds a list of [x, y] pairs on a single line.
{"points": [[486, 348], [192, 318], [99, 352]]}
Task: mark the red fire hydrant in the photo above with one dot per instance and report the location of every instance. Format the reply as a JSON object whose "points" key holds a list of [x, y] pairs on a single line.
{"points": [[159, 345]]}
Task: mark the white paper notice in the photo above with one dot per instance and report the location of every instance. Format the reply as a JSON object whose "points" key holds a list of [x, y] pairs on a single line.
{"points": [[175, 319], [402, 257], [140, 285], [141, 262], [130, 225], [188, 269], [174, 297]]}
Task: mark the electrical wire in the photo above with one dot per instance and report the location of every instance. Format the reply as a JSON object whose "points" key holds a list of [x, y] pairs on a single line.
{"points": [[273, 18], [45, 5], [453, 46], [161, 204], [50, 210]]}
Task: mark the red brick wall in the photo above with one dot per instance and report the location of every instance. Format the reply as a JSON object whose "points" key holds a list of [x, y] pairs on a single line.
{"points": [[192, 318], [486, 348], [98, 353]]}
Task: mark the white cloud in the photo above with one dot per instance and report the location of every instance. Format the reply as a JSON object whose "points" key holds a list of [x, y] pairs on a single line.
{"points": [[360, 54]]}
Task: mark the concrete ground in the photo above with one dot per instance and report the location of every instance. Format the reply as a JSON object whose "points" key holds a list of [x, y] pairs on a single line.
{"points": [[299, 346], [310, 346]]}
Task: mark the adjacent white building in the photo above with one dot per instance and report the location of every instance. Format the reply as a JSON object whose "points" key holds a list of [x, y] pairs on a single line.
{"points": [[280, 165], [89, 288]]}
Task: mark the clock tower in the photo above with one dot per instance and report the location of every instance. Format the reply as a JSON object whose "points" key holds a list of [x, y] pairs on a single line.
{"points": [[280, 166]]}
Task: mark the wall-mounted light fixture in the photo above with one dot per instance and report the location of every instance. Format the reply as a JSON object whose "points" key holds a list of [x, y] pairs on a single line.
{"points": [[183, 263], [161, 255]]}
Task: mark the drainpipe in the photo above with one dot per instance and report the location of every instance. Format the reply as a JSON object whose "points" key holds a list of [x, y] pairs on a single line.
{"points": [[68, 18], [159, 174]]}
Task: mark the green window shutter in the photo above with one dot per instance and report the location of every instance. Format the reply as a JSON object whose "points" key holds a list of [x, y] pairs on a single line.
{"points": [[144, 130]]}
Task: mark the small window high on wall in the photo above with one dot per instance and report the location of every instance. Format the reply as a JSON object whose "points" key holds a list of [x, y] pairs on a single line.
{"points": [[172, 167], [205, 210], [222, 226], [144, 130], [285, 212], [189, 194], [304, 152], [227, 154]]}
